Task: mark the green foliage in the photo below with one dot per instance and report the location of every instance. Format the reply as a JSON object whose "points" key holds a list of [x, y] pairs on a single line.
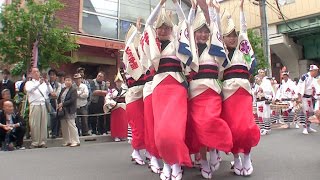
{"points": [[256, 43], [21, 28]]}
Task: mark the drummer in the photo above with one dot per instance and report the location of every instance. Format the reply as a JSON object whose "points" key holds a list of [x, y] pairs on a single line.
{"points": [[285, 95], [266, 96]]}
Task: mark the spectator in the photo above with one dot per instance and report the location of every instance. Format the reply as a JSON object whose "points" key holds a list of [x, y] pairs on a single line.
{"points": [[81, 71], [11, 127], [6, 95], [61, 76], [98, 87], [82, 101], [20, 84], [6, 83], [68, 103], [56, 86], [38, 90]]}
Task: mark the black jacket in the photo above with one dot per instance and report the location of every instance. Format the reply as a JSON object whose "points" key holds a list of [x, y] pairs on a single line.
{"points": [[16, 118], [70, 102]]}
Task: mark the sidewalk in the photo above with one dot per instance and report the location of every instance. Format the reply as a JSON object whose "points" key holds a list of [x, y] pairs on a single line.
{"points": [[83, 140]]}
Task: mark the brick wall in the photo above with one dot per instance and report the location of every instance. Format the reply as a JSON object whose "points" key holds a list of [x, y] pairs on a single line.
{"points": [[69, 16]]}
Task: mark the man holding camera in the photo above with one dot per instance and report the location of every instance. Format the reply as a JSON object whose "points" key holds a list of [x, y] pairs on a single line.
{"points": [[38, 90]]}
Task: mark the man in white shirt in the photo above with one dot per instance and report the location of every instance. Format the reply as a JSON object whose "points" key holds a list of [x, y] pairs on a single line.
{"points": [[305, 93], [38, 90], [82, 101]]}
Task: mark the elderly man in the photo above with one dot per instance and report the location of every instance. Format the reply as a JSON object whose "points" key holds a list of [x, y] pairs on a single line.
{"points": [[38, 90], [305, 93], [11, 127], [82, 102]]}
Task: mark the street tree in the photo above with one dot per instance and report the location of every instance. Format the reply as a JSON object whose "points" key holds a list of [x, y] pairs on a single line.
{"points": [[256, 43], [25, 24]]}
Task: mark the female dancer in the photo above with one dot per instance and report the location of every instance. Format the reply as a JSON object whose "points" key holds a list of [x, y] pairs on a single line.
{"points": [[205, 100], [169, 96], [237, 104]]}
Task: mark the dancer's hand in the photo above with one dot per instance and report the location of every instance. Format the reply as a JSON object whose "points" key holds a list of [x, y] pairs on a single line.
{"points": [[241, 4], [174, 1], [194, 4], [162, 2], [138, 24]]}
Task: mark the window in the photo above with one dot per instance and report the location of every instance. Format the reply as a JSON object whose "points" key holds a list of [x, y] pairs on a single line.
{"points": [[100, 18], [133, 9], [105, 7], [124, 27], [100, 26], [108, 19]]}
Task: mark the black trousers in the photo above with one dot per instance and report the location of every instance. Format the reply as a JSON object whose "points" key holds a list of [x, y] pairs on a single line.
{"points": [[97, 123], [15, 136], [82, 122], [108, 118], [55, 125]]}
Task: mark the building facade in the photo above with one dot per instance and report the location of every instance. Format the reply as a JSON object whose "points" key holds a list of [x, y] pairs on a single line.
{"points": [[293, 28], [100, 27]]}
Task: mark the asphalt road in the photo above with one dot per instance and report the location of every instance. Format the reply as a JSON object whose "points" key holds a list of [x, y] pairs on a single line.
{"points": [[282, 155]]}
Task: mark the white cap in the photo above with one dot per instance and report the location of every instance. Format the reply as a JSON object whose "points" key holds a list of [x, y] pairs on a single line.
{"points": [[313, 67]]}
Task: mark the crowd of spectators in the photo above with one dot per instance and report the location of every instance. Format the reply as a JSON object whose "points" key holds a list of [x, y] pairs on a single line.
{"points": [[51, 105]]}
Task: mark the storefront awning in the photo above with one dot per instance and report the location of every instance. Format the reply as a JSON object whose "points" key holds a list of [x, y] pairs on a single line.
{"points": [[97, 42]]}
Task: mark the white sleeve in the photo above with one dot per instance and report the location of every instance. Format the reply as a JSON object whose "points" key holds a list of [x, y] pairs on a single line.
{"points": [[154, 15], [243, 23], [49, 88], [30, 86], [212, 15], [179, 11], [301, 87], [192, 15], [278, 94], [85, 93]]}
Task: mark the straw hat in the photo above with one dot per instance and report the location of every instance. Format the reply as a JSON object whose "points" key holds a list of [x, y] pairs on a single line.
{"points": [[118, 77], [163, 18], [136, 39], [227, 24]]}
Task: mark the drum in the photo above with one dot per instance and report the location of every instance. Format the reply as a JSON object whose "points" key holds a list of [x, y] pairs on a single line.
{"points": [[279, 106]]}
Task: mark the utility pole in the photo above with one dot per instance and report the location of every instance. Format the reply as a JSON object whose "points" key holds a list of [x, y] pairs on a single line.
{"points": [[264, 33]]}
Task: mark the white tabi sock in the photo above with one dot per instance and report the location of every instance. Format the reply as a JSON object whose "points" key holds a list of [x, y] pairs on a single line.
{"points": [[214, 160], [154, 165], [166, 169], [176, 169], [247, 165]]}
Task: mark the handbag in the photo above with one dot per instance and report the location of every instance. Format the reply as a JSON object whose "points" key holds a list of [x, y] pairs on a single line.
{"points": [[47, 103], [61, 114]]}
